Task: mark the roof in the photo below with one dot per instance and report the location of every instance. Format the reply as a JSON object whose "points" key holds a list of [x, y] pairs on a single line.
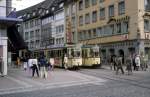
{"points": [[45, 5], [9, 21]]}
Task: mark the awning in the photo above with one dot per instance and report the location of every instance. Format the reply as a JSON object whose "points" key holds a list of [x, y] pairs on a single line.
{"points": [[8, 21]]}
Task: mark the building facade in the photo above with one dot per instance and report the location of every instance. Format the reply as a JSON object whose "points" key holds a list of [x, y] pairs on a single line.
{"points": [[6, 20], [43, 27], [116, 26]]}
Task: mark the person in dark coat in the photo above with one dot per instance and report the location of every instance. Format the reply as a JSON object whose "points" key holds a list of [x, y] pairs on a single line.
{"points": [[129, 65]]}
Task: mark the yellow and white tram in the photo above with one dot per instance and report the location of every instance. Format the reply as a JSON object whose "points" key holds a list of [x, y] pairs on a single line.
{"points": [[90, 56], [74, 55]]}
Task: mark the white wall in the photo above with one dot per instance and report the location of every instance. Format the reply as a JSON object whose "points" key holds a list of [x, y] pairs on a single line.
{"points": [[3, 9], [3, 43]]}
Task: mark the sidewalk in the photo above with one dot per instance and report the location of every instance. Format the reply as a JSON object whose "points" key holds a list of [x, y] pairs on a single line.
{"points": [[19, 80]]}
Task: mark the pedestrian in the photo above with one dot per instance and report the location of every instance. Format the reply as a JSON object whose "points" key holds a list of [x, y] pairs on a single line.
{"points": [[30, 64], [138, 62], [119, 64], [133, 62], [35, 67], [43, 71], [51, 61], [111, 62], [114, 62], [25, 63], [65, 62], [129, 65], [18, 62]]}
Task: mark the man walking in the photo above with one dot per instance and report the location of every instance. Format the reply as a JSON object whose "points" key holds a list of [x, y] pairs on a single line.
{"points": [[119, 64], [35, 67], [43, 71]]}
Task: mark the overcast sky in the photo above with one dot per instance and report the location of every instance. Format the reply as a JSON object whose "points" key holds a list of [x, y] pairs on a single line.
{"points": [[21, 4]]}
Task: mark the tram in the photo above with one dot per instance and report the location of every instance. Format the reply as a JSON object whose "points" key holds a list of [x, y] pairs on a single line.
{"points": [[74, 57], [90, 56], [57, 55]]}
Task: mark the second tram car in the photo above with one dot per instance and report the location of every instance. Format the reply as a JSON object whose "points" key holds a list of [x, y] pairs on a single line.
{"points": [[90, 56]]}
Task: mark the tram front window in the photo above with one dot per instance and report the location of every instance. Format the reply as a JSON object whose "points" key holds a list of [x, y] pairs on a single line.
{"points": [[96, 54], [77, 54]]}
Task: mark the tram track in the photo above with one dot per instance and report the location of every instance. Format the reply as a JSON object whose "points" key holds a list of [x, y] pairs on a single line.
{"points": [[115, 78]]}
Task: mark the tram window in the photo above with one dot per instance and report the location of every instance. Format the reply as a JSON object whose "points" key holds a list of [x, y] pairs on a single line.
{"points": [[72, 53], [91, 53], [78, 54], [96, 54]]}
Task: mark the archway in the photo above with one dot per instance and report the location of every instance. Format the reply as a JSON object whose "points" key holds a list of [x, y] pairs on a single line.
{"points": [[121, 53]]}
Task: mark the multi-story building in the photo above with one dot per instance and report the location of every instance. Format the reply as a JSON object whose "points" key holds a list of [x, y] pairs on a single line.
{"points": [[31, 26], [7, 20], [119, 27], [71, 22], [43, 26]]}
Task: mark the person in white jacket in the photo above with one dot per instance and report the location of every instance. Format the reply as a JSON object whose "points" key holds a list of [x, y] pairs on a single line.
{"points": [[138, 62]]}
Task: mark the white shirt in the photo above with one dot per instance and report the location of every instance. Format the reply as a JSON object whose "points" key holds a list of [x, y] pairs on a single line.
{"points": [[30, 63], [51, 61], [137, 61]]}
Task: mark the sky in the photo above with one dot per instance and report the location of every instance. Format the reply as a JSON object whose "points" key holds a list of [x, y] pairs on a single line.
{"points": [[22, 4]]}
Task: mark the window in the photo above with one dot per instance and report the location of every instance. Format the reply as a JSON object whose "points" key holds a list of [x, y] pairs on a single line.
{"points": [[80, 36], [147, 5], [119, 28], [67, 11], [121, 8], [111, 10], [26, 25], [80, 4], [125, 26], [87, 18], [99, 32], [94, 16], [26, 35], [101, 1], [31, 34], [89, 34], [111, 29], [94, 33], [73, 8], [102, 13], [81, 20], [37, 32], [105, 33], [73, 22], [94, 2], [87, 3], [31, 23], [146, 25]]}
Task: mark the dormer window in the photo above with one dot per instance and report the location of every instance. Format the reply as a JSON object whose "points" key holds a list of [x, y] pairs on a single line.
{"points": [[53, 8], [28, 15], [33, 13], [40, 11], [47, 11], [61, 5], [24, 15]]}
